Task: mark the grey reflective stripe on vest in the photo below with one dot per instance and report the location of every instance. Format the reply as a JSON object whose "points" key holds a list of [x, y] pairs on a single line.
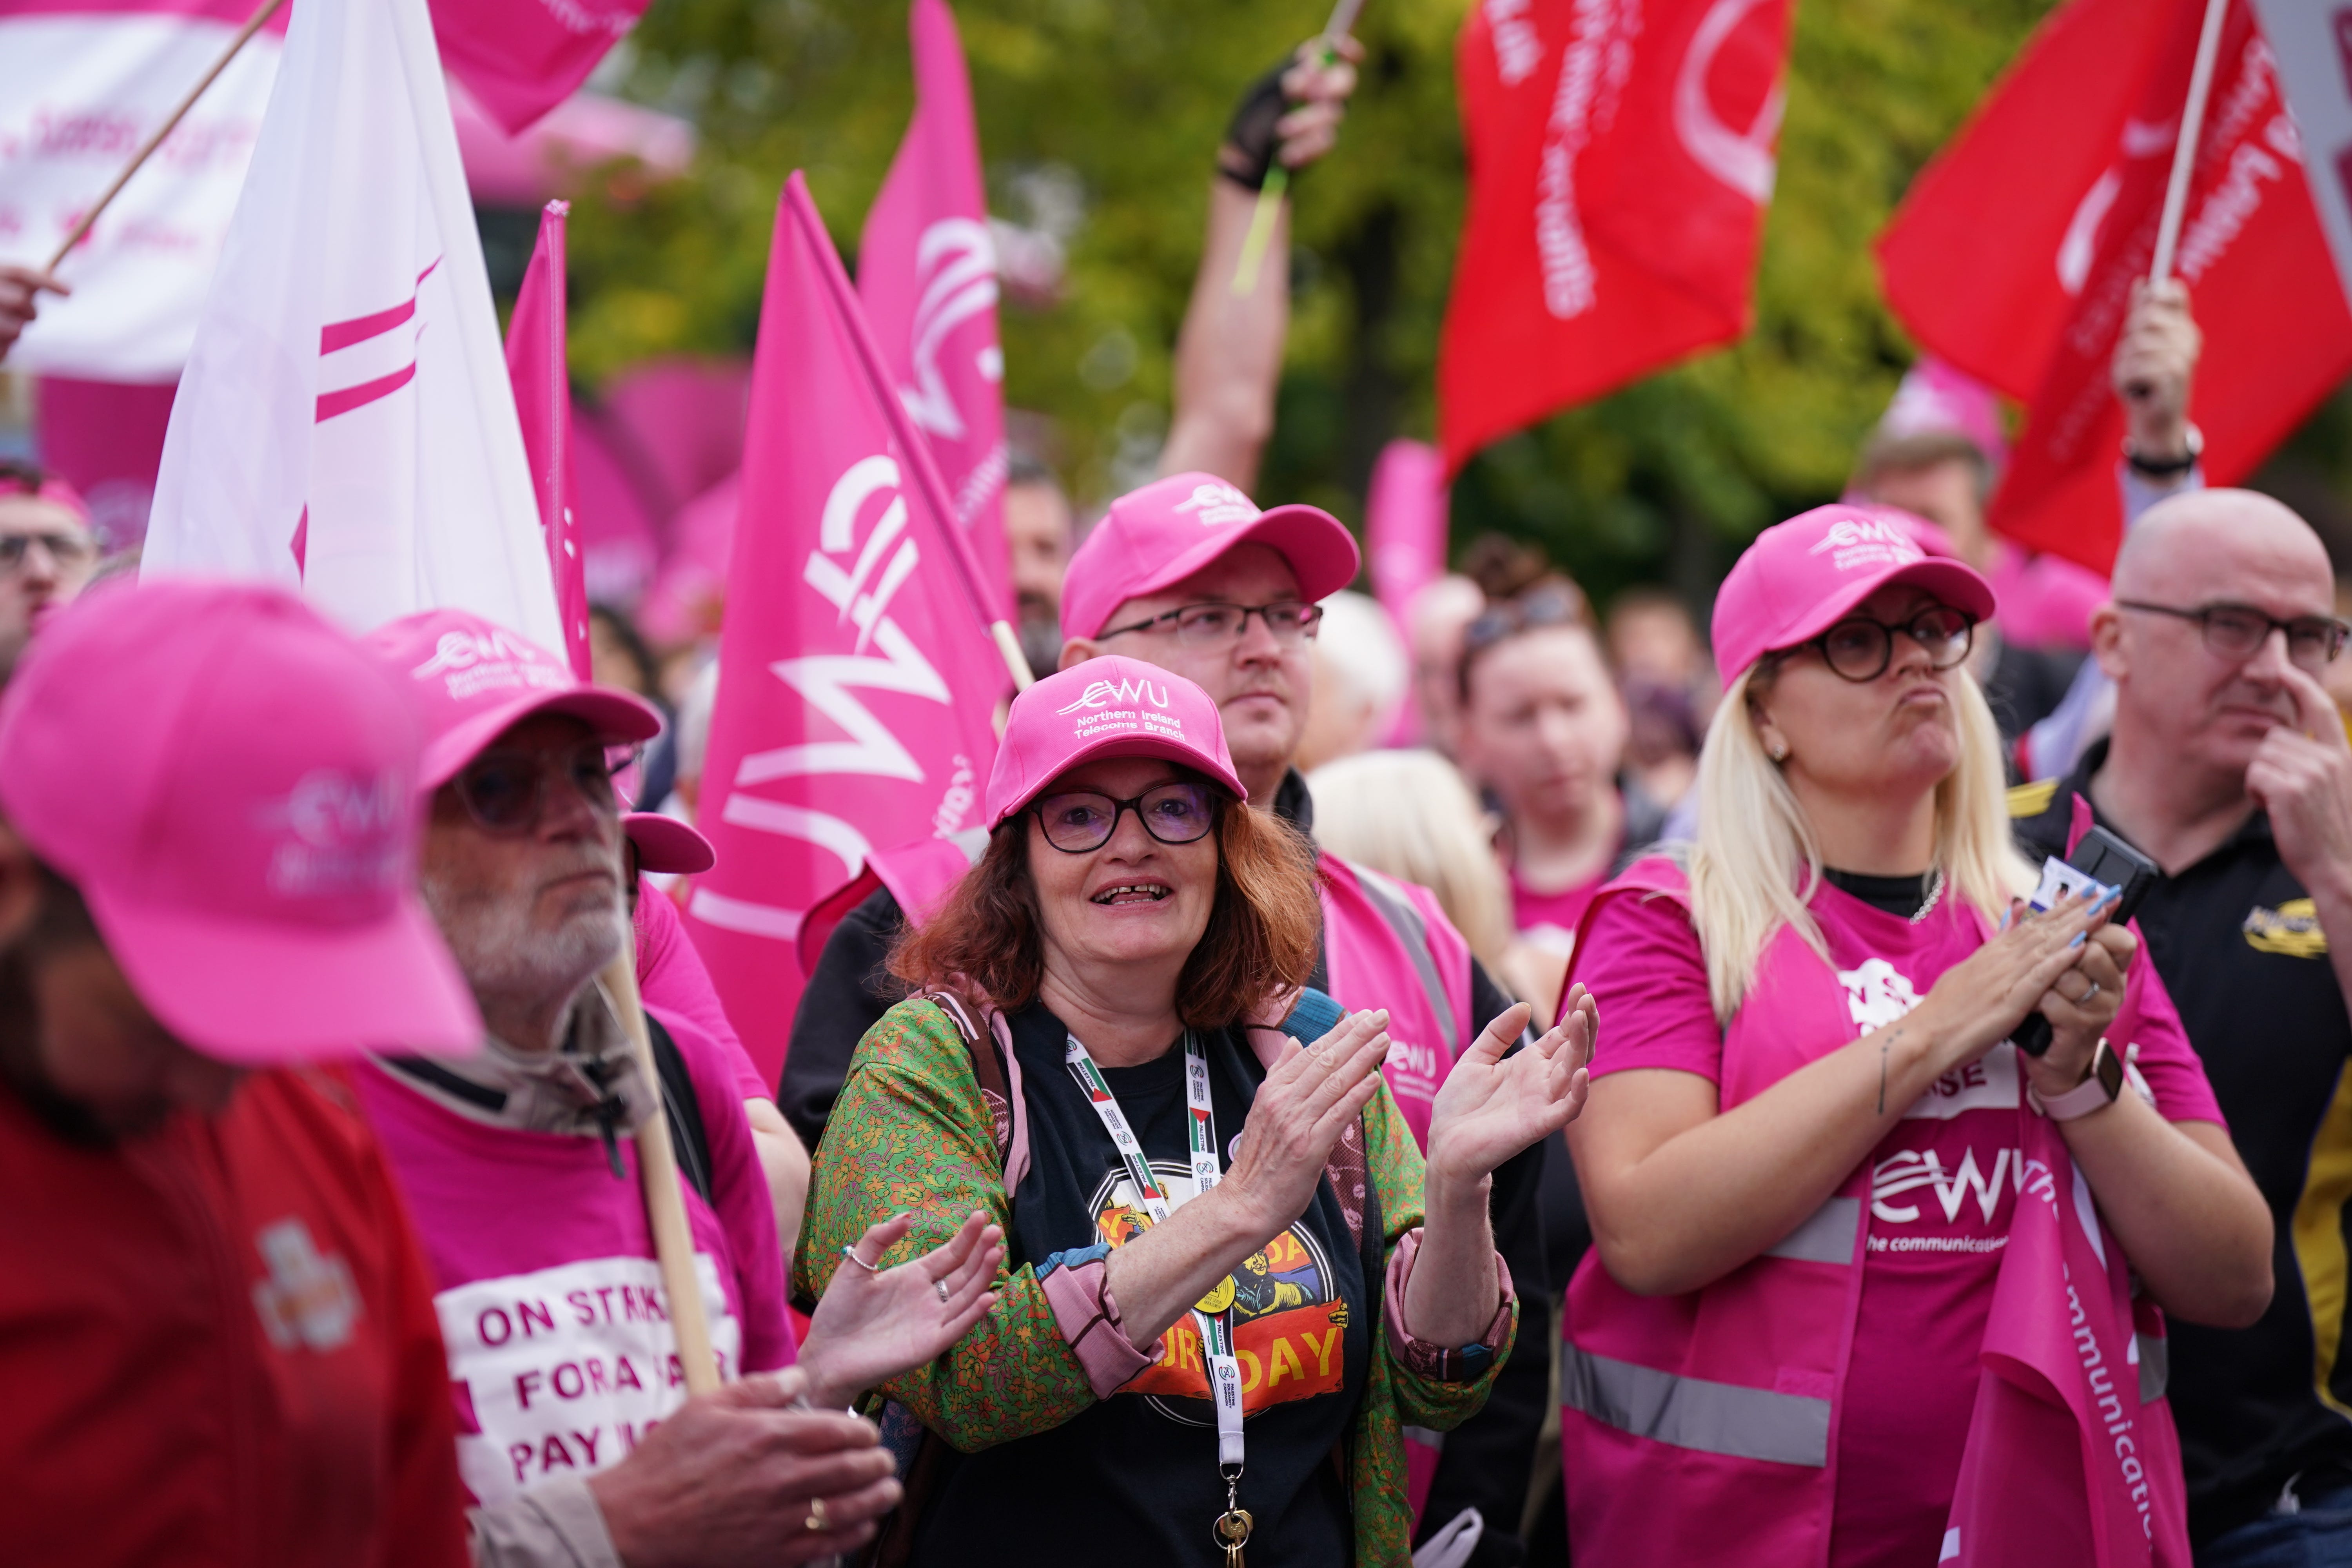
{"points": [[1692, 1412], [2154, 1367], [1406, 922], [1826, 1236]]}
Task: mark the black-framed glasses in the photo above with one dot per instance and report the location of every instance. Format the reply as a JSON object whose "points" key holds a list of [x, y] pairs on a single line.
{"points": [[505, 791], [1859, 648], [1290, 621], [1079, 821], [68, 549], [2239, 631]]}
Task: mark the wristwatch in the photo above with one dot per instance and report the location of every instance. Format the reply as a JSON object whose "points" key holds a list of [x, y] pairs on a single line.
{"points": [[2095, 1092], [2167, 468]]}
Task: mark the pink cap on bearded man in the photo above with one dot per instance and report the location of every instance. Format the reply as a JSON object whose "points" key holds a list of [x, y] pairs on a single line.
{"points": [[230, 782], [1802, 577], [1109, 707], [1153, 538], [474, 680]]}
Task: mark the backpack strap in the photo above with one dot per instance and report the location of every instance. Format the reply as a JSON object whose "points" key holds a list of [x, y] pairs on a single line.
{"points": [[998, 1073], [683, 1107]]}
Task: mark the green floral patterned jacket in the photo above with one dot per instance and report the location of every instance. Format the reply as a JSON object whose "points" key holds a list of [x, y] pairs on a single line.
{"points": [[911, 1132]]}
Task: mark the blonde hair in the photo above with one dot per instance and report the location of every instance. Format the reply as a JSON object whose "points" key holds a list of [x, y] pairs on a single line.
{"points": [[1753, 835], [1412, 815]]}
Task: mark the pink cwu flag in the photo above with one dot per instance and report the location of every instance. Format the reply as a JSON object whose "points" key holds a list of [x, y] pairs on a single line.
{"points": [[858, 684], [927, 273], [522, 57], [542, 389]]}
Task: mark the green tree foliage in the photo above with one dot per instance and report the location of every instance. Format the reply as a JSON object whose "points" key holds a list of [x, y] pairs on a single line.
{"points": [[1123, 100]]}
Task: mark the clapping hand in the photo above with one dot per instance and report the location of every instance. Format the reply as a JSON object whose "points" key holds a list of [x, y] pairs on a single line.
{"points": [[872, 1325], [1491, 1105]]}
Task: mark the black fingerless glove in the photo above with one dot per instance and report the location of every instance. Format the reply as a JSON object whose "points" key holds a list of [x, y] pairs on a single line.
{"points": [[1251, 139]]}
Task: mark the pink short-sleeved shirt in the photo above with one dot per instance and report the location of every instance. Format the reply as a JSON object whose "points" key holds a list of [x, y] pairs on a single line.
{"points": [[1944, 1184]]}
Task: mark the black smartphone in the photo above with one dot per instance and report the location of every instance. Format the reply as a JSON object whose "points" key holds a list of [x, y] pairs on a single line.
{"points": [[2109, 860]]}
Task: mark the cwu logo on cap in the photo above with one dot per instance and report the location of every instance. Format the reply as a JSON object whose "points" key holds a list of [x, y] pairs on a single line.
{"points": [[473, 662], [337, 834], [1219, 503], [1103, 693], [1866, 542]]}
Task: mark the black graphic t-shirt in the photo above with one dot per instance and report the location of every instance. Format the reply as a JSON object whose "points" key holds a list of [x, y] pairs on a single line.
{"points": [[1133, 1479]]}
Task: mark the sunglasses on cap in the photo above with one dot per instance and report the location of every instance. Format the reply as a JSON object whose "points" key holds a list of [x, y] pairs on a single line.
{"points": [[506, 789], [1076, 822], [1531, 610]]}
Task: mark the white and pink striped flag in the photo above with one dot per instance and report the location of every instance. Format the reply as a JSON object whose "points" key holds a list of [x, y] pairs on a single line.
{"points": [[345, 421], [857, 681], [927, 274]]}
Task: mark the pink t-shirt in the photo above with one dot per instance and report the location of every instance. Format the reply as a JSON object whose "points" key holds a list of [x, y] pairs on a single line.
{"points": [[1548, 921], [671, 979], [1943, 1189], [552, 1315]]}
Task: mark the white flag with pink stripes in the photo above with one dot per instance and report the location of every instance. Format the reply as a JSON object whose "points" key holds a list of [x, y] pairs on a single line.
{"points": [[345, 421]]}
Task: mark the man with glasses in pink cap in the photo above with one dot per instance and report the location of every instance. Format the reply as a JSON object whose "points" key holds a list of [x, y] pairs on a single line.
{"points": [[47, 554], [215, 1333], [575, 1439], [1188, 574]]}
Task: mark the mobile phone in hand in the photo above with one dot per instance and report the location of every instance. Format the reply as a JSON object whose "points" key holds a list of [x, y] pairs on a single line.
{"points": [[2108, 860]]}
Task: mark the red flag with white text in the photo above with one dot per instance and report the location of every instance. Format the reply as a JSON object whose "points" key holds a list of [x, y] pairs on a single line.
{"points": [[858, 683], [927, 275], [1621, 159], [543, 387], [2014, 254]]}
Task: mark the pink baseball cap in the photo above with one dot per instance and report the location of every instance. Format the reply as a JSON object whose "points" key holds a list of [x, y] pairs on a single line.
{"points": [[474, 680], [666, 844], [229, 781], [1802, 576], [1170, 529], [1109, 707]]}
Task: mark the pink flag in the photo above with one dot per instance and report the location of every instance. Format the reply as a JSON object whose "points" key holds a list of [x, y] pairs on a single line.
{"points": [[1404, 524], [927, 273], [542, 389], [522, 57], [858, 683]]}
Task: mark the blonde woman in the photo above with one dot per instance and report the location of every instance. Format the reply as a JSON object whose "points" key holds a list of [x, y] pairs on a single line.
{"points": [[1869, 1285], [1411, 812]]}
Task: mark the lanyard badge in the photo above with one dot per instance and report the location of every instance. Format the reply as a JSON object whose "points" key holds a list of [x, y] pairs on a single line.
{"points": [[1216, 1325]]}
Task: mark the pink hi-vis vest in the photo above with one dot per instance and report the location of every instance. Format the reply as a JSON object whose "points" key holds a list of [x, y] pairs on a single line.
{"points": [[1689, 1422], [1386, 943]]}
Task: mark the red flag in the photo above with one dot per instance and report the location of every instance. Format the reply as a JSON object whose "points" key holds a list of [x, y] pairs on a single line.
{"points": [[542, 389], [927, 275], [2014, 255], [1621, 158], [522, 57], [858, 682]]}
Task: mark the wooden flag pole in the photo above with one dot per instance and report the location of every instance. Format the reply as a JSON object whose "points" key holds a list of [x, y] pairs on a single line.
{"points": [[253, 25], [664, 1204], [2192, 134], [1277, 178]]}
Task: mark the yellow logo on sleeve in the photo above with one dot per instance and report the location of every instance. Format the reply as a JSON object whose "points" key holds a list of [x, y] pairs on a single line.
{"points": [[2291, 930]]}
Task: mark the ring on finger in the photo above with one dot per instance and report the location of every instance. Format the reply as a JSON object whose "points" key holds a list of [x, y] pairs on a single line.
{"points": [[816, 1521], [2085, 999]]}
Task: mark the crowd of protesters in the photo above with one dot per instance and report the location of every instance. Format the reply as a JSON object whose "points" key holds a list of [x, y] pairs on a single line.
{"points": [[1646, 1122]]}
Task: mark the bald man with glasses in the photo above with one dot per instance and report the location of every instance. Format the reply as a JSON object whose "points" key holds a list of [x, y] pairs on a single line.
{"points": [[2229, 767]]}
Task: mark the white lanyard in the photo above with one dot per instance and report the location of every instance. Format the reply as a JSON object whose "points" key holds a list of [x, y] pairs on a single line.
{"points": [[1217, 1328]]}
